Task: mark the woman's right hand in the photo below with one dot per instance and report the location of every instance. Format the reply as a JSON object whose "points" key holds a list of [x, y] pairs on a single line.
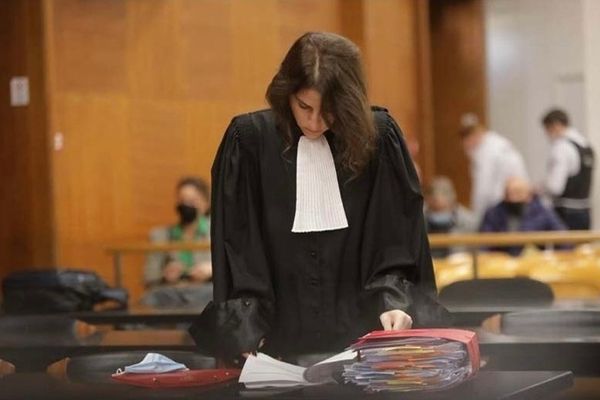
{"points": [[394, 320]]}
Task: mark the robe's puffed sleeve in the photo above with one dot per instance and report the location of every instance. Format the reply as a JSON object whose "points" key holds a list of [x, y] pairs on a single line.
{"points": [[243, 307], [396, 266]]}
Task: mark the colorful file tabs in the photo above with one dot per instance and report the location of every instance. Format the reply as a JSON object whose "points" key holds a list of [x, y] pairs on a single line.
{"points": [[410, 360]]}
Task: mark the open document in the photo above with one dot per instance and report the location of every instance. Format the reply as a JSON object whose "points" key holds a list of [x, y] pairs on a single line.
{"points": [[262, 371]]}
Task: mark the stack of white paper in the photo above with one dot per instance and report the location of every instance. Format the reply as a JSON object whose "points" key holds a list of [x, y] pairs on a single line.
{"points": [[262, 371]]}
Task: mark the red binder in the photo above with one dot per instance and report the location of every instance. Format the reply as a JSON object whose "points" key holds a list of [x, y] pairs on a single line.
{"points": [[189, 378], [469, 338]]}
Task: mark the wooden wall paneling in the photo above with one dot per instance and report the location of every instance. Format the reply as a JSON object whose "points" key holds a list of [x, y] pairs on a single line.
{"points": [[398, 70], [154, 52], [158, 147], [92, 181], [206, 123], [426, 140], [88, 79], [255, 51], [38, 185], [89, 45], [391, 60], [351, 20], [26, 238], [206, 42], [458, 68], [325, 16], [34, 158]]}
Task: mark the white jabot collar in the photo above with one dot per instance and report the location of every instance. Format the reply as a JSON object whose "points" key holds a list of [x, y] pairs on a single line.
{"points": [[319, 204]]}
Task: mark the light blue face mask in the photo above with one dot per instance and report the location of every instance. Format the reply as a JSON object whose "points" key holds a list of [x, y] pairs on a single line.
{"points": [[154, 363], [440, 218]]}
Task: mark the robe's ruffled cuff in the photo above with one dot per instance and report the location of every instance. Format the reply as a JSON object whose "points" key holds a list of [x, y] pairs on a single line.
{"points": [[386, 293], [392, 292], [227, 329]]}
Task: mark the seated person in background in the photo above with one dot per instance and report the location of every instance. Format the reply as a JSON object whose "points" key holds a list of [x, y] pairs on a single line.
{"points": [[521, 211], [443, 214], [182, 278]]}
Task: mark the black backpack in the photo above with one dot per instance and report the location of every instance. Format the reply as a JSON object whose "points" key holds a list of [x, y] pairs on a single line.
{"points": [[56, 291]]}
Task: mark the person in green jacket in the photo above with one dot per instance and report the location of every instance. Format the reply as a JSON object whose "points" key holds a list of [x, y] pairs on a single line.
{"points": [[182, 278]]}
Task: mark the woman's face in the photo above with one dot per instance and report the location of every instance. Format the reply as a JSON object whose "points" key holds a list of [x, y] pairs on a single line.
{"points": [[306, 107], [190, 196]]}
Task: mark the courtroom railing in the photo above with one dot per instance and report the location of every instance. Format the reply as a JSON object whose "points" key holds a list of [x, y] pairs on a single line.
{"points": [[473, 241], [117, 251]]}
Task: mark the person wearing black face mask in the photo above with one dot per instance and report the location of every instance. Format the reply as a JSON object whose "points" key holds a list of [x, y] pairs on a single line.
{"points": [[520, 211], [182, 278], [514, 208], [187, 214]]}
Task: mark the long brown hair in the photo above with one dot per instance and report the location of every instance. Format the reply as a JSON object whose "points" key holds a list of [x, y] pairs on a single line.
{"points": [[331, 65]]}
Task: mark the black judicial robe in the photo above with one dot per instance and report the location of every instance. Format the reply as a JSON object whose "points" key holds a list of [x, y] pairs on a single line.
{"points": [[311, 292]]}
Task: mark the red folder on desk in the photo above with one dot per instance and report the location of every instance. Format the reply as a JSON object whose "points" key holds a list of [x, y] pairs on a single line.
{"points": [[469, 338], [413, 360], [188, 378]]}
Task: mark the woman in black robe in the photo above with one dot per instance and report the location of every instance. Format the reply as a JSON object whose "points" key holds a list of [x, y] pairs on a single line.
{"points": [[292, 290]]}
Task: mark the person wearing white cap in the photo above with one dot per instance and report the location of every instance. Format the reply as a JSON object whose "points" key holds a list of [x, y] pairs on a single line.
{"points": [[318, 233]]}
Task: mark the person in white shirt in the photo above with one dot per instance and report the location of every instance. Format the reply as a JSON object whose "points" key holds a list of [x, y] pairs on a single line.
{"points": [[569, 172], [494, 160]]}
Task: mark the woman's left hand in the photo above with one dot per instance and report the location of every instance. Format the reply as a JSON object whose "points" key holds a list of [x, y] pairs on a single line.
{"points": [[395, 320]]}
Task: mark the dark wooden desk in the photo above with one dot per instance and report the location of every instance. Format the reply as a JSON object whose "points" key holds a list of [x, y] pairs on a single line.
{"points": [[471, 315], [532, 346], [31, 352], [474, 315], [522, 354], [34, 352], [139, 315], [485, 386], [464, 316]]}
